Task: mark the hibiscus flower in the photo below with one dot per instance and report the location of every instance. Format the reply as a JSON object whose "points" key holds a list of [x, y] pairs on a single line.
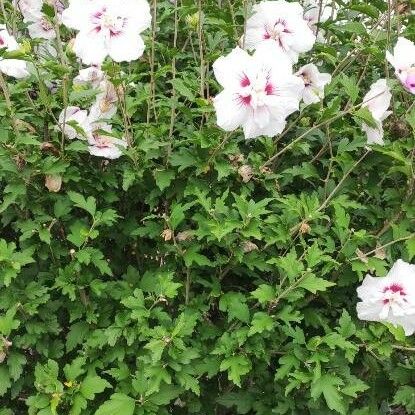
{"points": [[390, 299], [281, 25], [13, 67], [108, 27], [103, 144], [259, 93], [377, 101], [403, 60], [314, 83]]}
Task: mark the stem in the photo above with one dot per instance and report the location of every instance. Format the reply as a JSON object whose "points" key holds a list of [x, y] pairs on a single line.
{"points": [[201, 56], [173, 93], [152, 98], [330, 196], [299, 138], [404, 238]]}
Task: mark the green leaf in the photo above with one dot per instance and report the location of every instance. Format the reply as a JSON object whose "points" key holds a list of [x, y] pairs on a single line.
{"points": [[410, 247], [237, 366], [363, 114], [261, 322], [235, 304], [314, 284], [164, 178], [119, 404], [350, 87], [16, 362], [329, 386], [192, 256], [264, 293], [5, 381], [405, 396], [165, 395], [88, 204], [92, 385], [346, 326], [354, 386], [182, 89]]}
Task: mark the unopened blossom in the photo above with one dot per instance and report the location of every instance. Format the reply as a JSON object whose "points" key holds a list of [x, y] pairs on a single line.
{"points": [[4, 346], [32, 6], [28, 6], [92, 75], [75, 123], [403, 60], [108, 28], [103, 144], [377, 101], [390, 299], [12, 67], [314, 83], [280, 24], [259, 92], [53, 183], [105, 105], [246, 173], [40, 27], [317, 11]]}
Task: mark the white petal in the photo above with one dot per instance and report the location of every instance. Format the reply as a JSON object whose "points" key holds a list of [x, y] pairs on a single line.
{"points": [[369, 311], [14, 67], [230, 70], [126, 47], [374, 135], [230, 112], [377, 100], [403, 54], [90, 48]]}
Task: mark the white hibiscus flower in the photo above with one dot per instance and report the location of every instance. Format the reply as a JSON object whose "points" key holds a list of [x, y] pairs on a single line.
{"points": [[259, 93], [390, 299], [108, 27]]}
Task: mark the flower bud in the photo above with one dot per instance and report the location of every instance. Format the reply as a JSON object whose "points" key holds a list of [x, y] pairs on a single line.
{"points": [[53, 183], [246, 173], [167, 234], [192, 20]]}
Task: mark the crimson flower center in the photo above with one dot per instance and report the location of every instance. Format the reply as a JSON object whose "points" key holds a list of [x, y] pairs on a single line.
{"points": [[394, 293], [103, 21], [254, 93]]}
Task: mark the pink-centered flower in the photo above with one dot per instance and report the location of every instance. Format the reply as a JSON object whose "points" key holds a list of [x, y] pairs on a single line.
{"points": [[108, 27], [280, 24], [318, 11], [390, 299], [16, 68], [314, 83], [40, 26], [92, 75], [377, 101], [105, 105], [102, 143], [75, 123], [259, 92], [403, 60]]}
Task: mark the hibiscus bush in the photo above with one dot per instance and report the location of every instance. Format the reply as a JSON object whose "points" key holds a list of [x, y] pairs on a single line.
{"points": [[207, 207]]}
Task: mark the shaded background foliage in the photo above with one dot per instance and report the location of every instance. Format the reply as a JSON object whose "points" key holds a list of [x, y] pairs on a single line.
{"points": [[170, 280]]}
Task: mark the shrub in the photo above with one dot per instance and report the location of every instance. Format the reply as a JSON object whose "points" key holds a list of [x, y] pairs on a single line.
{"points": [[200, 272]]}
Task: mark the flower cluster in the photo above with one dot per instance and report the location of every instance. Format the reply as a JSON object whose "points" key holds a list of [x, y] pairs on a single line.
{"points": [[260, 90], [105, 28], [91, 125]]}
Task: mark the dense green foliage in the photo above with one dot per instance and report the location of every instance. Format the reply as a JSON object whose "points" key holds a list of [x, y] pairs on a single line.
{"points": [[169, 281]]}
